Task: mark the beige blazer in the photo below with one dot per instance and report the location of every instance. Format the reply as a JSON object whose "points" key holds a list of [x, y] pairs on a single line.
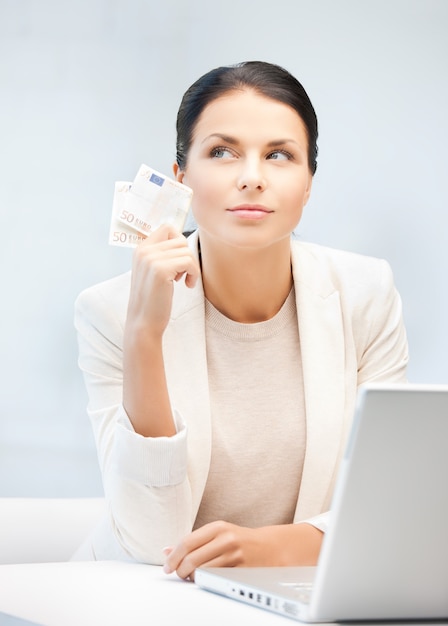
{"points": [[351, 331]]}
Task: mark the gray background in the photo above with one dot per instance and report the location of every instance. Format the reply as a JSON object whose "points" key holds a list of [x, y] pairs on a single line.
{"points": [[89, 90]]}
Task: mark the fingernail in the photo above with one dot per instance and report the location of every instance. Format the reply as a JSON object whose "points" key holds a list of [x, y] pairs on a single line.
{"points": [[167, 569], [167, 550]]}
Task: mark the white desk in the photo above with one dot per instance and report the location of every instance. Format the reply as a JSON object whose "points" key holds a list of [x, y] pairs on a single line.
{"points": [[110, 593]]}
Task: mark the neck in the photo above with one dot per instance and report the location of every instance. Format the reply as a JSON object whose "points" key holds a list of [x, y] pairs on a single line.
{"points": [[247, 285]]}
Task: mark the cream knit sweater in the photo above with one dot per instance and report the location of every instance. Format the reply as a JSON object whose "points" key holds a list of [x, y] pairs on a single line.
{"points": [[258, 419]]}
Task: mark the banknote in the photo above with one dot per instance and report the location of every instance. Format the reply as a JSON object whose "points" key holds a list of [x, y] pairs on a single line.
{"points": [[120, 234], [142, 205]]}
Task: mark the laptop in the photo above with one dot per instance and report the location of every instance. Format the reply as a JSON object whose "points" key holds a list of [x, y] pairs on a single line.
{"points": [[385, 554]]}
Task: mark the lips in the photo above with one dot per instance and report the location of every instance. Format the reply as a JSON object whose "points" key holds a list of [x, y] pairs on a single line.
{"points": [[250, 211]]}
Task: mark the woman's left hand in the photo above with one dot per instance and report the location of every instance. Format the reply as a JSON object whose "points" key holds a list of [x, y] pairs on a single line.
{"points": [[221, 544]]}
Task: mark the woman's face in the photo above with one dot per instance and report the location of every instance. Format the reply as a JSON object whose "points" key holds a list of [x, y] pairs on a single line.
{"points": [[248, 168]]}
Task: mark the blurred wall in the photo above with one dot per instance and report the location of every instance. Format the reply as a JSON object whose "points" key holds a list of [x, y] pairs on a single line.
{"points": [[89, 90]]}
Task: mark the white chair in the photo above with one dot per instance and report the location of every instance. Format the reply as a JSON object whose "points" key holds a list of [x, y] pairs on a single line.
{"points": [[44, 530]]}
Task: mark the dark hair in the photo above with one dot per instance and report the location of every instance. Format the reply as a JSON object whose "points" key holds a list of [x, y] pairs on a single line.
{"points": [[267, 79]]}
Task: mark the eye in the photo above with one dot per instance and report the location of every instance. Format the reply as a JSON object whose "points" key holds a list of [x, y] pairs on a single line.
{"points": [[280, 155], [220, 152]]}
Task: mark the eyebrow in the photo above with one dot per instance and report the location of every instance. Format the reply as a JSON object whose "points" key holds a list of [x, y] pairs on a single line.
{"points": [[225, 138], [232, 141]]}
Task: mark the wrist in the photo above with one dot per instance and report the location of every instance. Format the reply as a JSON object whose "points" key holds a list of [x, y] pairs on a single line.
{"points": [[292, 544]]}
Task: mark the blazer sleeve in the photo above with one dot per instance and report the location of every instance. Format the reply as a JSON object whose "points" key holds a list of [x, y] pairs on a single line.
{"points": [[380, 334], [145, 479]]}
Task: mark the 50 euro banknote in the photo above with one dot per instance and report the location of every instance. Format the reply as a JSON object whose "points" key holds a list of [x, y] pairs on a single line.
{"points": [[141, 206]]}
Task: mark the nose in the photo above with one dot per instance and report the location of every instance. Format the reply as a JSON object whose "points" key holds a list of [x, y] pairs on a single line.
{"points": [[251, 176]]}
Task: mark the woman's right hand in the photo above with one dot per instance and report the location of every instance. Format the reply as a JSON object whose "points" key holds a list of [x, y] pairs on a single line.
{"points": [[162, 258]]}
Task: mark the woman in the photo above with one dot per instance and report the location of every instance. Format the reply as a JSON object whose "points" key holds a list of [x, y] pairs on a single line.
{"points": [[222, 371]]}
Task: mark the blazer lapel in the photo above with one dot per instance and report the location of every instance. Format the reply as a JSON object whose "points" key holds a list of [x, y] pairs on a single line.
{"points": [[322, 346], [187, 379]]}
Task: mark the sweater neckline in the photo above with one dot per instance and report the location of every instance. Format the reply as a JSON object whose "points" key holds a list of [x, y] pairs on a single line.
{"points": [[215, 320]]}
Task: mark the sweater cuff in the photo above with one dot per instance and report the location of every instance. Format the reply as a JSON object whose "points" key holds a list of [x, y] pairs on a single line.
{"points": [[151, 461]]}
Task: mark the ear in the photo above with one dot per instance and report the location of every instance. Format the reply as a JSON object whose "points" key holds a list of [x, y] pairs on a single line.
{"points": [[178, 173], [308, 189]]}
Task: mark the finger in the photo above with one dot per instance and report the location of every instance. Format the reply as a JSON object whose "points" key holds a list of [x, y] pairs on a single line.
{"points": [[219, 561], [176, 267], [191, 277], [215, 541], [164, 232], [166, 263], [156, 242], [155, 254], [190, 543], [216, 553]]}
